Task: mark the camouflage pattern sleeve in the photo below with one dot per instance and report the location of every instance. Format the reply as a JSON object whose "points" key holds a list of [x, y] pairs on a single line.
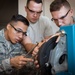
{"points": [[4, 60]]}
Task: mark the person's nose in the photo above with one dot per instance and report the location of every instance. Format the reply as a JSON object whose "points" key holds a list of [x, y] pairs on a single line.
{"points": [[59, 22], [20, 35], [35, 14]]}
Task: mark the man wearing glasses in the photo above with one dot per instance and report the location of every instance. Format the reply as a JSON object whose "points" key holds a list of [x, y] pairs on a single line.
{"points": [[61, 12], [40, 26], [12, 53]]}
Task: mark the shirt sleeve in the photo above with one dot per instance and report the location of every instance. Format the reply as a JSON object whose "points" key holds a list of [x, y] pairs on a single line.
{"points": [[4, 60]]}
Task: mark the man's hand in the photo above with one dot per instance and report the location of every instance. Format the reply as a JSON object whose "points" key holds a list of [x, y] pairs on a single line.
{"points": [[35, 51], [19, 61]]}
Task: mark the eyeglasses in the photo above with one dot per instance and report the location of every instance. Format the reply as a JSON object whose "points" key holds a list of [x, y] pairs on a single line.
{"points": [[35, 11], [61, 17], [19, 30]]}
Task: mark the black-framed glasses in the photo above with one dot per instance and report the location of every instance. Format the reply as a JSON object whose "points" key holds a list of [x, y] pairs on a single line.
{"points": [[62, 17], [19, 30], [34, 11]]}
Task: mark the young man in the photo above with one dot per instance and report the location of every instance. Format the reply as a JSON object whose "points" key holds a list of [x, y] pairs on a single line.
{"points": [[11, 50], [40, 26], [62, 13]]}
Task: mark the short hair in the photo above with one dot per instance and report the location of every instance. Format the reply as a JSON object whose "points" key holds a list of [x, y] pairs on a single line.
{"points": [[37, 1], [57, 4], [18, 17]]}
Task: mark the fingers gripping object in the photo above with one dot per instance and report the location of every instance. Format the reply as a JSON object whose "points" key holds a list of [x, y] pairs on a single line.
{"points": [[31, 50]]}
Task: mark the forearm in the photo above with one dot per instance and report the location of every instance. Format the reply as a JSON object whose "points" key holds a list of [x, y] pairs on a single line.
{"points": [[27, 43], [29, 46]]}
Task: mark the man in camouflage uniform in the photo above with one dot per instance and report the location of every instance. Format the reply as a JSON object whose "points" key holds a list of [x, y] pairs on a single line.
{"points": [[12, 53]]}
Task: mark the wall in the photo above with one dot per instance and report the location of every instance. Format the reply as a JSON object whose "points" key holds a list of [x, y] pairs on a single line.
{"points": [[21, 7], [7, 9], [46, 12]]}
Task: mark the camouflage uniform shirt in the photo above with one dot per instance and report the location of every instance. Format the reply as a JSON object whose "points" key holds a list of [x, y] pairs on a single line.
{"points": [[7, 51]]}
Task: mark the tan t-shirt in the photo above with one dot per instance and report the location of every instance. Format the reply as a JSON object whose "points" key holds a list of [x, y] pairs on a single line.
{"points": [[40, 29]]}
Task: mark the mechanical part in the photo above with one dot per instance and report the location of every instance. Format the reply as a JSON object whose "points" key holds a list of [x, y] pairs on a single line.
{"points": [[58, 56], [52, 55], [43, 55], [62, 57], [61, 32]]}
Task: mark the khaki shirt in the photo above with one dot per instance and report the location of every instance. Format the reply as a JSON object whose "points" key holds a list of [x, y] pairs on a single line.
{"points": [[39, 30]]}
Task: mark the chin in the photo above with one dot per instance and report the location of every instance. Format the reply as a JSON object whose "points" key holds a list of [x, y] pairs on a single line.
{"points": [[34, 22], [14, 42]]}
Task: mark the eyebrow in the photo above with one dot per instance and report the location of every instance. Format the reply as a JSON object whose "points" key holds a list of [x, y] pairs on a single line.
{"points": [[15, 28], [34, 11], [20, 30], [62, 17]]}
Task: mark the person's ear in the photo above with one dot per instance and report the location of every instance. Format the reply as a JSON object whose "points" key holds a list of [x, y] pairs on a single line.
{"points": [[8, 26], [26, 8], [71, 12]]}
